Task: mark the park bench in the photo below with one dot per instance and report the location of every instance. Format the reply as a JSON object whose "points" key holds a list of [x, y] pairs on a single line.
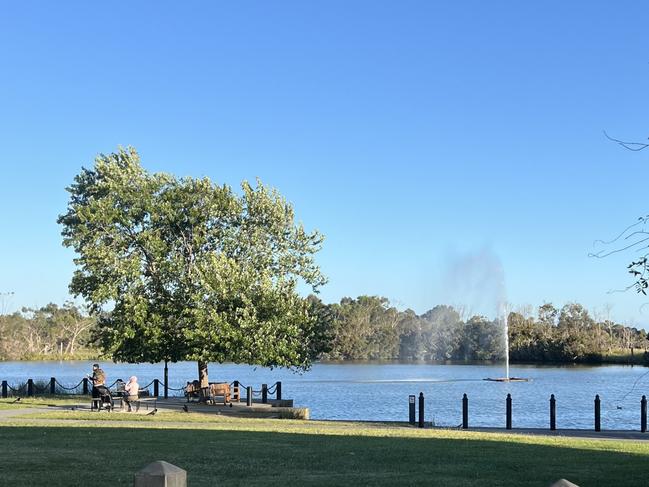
{"points": [[220, 389], [214, 390], [117, 396]]}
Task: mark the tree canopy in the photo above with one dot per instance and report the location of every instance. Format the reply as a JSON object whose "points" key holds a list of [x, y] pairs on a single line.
{"points": [[184, 269]]}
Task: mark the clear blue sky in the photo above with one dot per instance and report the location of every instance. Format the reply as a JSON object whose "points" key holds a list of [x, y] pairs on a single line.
{"points": [[437, 145]]}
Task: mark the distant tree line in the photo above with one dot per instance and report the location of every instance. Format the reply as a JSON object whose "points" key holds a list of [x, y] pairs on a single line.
{"points": [[370, 328], [50, 332]]}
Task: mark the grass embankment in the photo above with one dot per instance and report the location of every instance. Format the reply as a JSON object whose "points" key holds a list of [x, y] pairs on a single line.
{"points": [[108, 448], [624, 357]]}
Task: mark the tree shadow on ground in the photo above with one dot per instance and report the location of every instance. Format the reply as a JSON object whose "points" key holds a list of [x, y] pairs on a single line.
{"points": [[71, 456]]}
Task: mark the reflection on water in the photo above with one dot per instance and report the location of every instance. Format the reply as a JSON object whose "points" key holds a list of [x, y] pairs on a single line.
{"points": [[371, 391]]}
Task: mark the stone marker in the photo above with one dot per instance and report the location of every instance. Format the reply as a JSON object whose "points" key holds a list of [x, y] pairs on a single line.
{"points": [[161, 474], [563, 483]]}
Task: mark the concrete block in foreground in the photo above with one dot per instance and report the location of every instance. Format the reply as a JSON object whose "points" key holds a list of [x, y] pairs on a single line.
{"points": [[563, 483], [160, 474]]}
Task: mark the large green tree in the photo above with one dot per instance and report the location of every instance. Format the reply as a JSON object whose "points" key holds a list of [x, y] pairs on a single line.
{"points": [[184, 269]]}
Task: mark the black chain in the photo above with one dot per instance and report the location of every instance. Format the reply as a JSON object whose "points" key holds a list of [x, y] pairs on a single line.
{"points": [[69, 388]]}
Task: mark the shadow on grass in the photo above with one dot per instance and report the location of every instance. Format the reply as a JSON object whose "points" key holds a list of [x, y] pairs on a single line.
{"points": [[61, 456]]}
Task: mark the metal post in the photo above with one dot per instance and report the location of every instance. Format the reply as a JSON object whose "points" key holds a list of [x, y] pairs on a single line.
{"points": [[553, 412], [278, 393], [30, 387], [421, 409], [465, 412], [411, 408], [4, 389], [52, 385], [509, 412], [249, 396], [85, 385], [235, 391], [643, 414], [156, 387], [166, 378], [598, 425], [264, 393]]}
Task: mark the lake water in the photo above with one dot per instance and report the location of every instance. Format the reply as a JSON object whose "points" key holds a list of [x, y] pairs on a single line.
{"points": [[379, 391]]}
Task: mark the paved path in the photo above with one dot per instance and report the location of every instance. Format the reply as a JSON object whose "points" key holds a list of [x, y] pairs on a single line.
{"points": [[589, 434]]}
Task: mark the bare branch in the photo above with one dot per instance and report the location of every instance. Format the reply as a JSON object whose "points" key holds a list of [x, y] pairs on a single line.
{"points": [[632, 146], [642, 219], [601, 254]]}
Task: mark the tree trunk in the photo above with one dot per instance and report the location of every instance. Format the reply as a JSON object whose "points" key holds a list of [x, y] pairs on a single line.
{"points": [[203, 380]]}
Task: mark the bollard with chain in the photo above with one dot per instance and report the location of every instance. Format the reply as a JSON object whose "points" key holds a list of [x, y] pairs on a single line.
{"points": [[598, 424], [249, 396], [85, 386], [278, 391], [52, 385], [30, 387], [156, 387], [4, 389], [235, 391], [264, 393]]}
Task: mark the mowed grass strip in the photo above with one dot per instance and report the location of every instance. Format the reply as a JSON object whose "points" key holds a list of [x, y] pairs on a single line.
{"points": [[236, 451], [42, 401]]}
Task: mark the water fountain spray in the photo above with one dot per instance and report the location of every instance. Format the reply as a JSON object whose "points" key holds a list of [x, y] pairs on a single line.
{"points": [[505, 322]]}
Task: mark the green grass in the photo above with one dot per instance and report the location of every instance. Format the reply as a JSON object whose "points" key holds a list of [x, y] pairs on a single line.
{"points": [[250, 452], [43, 401]]}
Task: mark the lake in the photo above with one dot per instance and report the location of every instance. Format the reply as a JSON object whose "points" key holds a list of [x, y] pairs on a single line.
{"points": [[379, 391]]}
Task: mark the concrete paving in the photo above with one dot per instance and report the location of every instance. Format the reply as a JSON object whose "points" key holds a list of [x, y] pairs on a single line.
{"points": [[571, 433]]}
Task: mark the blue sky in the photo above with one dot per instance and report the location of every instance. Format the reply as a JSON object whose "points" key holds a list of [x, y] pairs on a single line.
{"points": [[442, 147]]}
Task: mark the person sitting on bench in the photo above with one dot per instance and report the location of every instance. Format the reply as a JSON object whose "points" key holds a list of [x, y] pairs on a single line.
{"points": [[131, 391], [98, 380]]}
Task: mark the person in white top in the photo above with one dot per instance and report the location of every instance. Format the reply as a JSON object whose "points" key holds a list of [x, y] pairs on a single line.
{"points": [[131, 391]]}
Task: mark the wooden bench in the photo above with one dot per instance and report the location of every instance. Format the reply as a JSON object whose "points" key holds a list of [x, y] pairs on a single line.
{"points": [[214, 390], [193, 391], [220, 389]]}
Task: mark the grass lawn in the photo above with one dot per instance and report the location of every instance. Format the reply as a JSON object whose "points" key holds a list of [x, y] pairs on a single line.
{"points": [[109, 448], [42, 401]]}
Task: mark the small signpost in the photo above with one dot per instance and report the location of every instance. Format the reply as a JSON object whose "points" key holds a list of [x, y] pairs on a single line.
{"points": [[411, 408]]}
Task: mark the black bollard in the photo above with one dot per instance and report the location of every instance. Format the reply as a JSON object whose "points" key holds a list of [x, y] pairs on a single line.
{"points": [[236, 396], [249, 396], [465, 412], [553, 412], [278, 391], [166, 379], [52, 385], [85, 385], [598, 425], [509, 412], [156, 388], [411, 409], [4, 389], [30, 387], [643, 414], [421, 409], [264, 393]]}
